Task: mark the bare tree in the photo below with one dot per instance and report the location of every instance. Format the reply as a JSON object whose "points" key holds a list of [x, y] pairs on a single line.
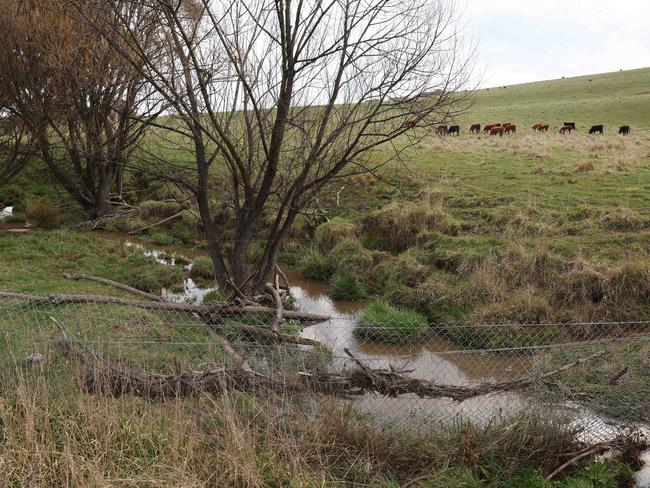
{"points": [[78, 99], [15, 148], [274, 99]]}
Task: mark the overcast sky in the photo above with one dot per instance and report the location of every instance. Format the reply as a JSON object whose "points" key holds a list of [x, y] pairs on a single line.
{"points": [[529, 40]]}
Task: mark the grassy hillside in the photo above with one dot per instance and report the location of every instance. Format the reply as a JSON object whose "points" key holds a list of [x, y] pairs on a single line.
{"points": [[528, 227], [613, 99]]}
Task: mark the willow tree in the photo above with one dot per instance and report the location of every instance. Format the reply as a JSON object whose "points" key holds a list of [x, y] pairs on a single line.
{"points": [[79, 102], [15, 148], [274, 99]]}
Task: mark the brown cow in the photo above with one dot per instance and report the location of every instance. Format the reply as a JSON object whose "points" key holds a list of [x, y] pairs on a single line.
{"points": [[497, 131], [409, 123], [475, 128], [506, 124], [511, 129], [566, 129], [441, 130], [543, 128], [536, 127], [488, 128]]}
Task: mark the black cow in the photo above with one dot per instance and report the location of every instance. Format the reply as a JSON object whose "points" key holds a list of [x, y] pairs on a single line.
{"points": [[454, 129], [624, 130], [571, 124], [596, 129]]}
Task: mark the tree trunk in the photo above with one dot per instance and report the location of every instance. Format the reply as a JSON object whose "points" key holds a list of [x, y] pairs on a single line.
{"points": [[103, 205]]}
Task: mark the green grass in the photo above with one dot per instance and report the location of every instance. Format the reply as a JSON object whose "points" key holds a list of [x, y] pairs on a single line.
{"points": [[346, 286], [314, 266], [203, 268], [383, 322]]}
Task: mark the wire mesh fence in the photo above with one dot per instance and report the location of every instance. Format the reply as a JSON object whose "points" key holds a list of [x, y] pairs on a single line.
{"points": [[403, 374]]}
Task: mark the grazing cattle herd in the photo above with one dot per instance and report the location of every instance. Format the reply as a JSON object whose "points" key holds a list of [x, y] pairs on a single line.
{"points": [[510, 128]]}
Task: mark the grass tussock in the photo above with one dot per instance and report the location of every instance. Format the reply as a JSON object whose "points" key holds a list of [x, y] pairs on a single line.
{"points": [[314, 266], [399, 226], [625, 399], [150, 209], [331, 233], [383, 322], [584, 167], [45, 214], [346, 286], [203, 268], [622, 219]]}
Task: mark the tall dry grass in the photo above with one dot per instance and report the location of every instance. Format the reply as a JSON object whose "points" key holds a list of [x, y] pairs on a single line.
{"points": [[53, 435]]}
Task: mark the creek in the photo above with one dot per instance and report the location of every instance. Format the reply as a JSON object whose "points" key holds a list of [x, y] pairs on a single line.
{"points": [[437, 360]]}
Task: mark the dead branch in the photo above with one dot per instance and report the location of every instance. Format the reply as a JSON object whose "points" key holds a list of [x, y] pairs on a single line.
{"points": [[615, 379], [160, 222], [107, 379], [273, 336], [284, 277], [279, 309], [102, 221], [391, 382], [598, 448], [115, 284], [230, 351], [212, 310]]}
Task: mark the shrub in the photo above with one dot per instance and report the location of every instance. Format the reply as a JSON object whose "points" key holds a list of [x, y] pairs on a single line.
{"points": [[346, 286], [159, 209], [45, 214], [385, 323], [203, 268], [314, 266], [331, 233], [13, 196]]}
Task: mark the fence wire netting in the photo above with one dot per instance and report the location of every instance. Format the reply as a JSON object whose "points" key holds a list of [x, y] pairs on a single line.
{"points": [[593, 376]]}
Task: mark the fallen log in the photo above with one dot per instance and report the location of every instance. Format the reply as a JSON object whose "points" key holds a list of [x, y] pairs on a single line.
{"points": [[114, 284], [102, 377], [214, 309], [160, 222]]}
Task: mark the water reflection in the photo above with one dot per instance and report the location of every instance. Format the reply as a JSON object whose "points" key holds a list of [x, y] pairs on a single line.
{"points": [[435, 360]]}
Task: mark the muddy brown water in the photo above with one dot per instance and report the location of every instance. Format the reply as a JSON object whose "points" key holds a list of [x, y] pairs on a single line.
{"points": [[434, 359]]}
